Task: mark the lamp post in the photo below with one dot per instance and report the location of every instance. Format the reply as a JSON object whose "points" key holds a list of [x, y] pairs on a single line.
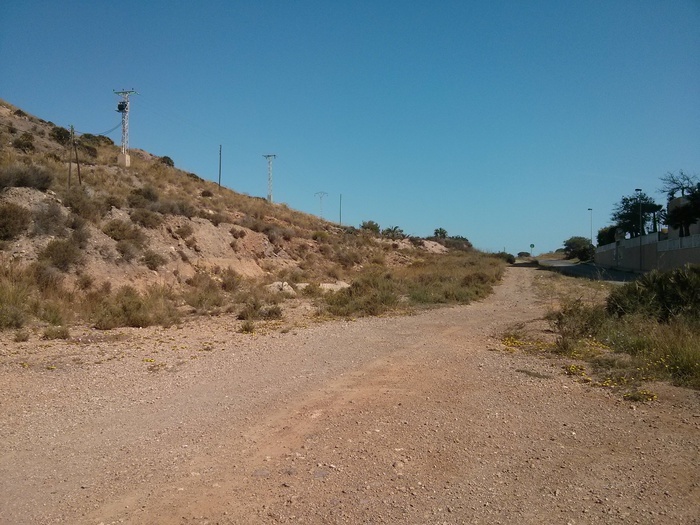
{"points": [[591, 210], [639, 201]]}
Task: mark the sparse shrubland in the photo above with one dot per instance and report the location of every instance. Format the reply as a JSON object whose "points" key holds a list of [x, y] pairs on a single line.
{"points": [[644, 330], [143, 212]]}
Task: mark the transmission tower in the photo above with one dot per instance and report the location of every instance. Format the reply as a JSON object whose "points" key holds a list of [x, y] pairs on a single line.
{"points": [[123, 108], [320, 195], [269, 176]]}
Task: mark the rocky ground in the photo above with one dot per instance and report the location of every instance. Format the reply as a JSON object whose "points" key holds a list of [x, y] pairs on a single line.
{"points": [[422, 419]]}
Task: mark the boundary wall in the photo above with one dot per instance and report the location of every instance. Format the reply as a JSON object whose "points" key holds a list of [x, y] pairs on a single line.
{"points": [[647, 252]]}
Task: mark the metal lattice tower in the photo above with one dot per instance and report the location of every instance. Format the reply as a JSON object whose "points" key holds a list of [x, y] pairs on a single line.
{"points": [[320, 195], [269, 176], [123, 108]]}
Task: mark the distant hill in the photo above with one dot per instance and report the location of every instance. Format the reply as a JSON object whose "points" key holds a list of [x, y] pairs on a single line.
{"points": [[94, 225]]}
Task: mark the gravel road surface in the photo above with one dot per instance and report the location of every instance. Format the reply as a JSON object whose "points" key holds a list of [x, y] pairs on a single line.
{"points": [[422, 419]]}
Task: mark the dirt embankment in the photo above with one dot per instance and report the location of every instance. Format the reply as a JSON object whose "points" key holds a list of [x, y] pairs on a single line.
{"points": [[419, 419]]}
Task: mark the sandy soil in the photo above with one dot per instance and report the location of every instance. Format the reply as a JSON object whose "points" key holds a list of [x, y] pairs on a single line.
{"points": [[418, 420]]}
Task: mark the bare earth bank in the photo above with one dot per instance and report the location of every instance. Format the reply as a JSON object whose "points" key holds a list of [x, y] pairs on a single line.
{"points": [[417, 420]]}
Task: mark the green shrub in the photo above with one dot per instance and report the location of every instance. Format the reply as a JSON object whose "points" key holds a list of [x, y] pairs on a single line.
{"points": [[153, 260], [661, 295], [25, 142], [60, 135], [49, 220], [61, 253], [121, 230], [507, 257], [176, 207], [230, 280], [23, 176], [127, 249], [204, 293], [167, 161], [143, 197], [184, 231], [370, 294], [56, 332], [14, 220], [146, 218], [82, 204], [128, 307]]}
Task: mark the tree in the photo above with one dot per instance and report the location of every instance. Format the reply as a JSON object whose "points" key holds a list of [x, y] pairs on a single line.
{"points": [[370, 226], [606, 235], [579, 248], [393, 232], [683, 216], [441, 233], [628, 212], [60, 135], [682, 182], [167, 161]]}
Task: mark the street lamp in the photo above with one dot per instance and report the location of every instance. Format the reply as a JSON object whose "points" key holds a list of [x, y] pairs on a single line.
{"points": [[639, 201], [591, 210]]}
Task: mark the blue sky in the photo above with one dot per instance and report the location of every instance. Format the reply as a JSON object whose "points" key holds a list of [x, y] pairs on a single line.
{"points": [[502, 121]]}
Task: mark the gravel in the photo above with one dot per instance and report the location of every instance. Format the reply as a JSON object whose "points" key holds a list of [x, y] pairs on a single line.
{"points": [[421, 419]]}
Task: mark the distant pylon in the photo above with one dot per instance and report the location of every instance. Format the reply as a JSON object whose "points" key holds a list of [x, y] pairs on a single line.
{"points": [[123, 108], [269, 158], [320, 195]]}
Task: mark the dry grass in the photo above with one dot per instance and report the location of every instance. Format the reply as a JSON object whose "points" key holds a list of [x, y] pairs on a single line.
{"points": [[623, 350]]}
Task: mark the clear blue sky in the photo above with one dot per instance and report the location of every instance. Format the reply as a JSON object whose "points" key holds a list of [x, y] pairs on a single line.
{"points": [[502, 121]]}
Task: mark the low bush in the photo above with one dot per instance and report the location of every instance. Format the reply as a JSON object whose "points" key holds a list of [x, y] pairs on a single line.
{"points": [[60, 135], [146, 218], [49, 220], [24, 143], [654, 320], [184, 231], [14, 220], [204, 293], [143, 197], [61, 254], [153, 260], [661, 295], [121, 230], [128, 307], [82, 203], [25, 176], [56, 332]]}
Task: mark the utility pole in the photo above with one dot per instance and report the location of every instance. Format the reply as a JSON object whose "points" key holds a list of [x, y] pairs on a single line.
{"points": [[639, 200], [123, 107], [591, 210], [320, 195], [269, 158], [73, 148], [219, 165]]}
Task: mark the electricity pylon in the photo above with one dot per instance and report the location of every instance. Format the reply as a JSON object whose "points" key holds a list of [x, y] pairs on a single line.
{"points": [[123, 108], [269, 175]]}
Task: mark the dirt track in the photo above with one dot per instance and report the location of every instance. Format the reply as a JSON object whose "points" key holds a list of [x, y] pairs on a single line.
{"points": [[418, 420]]}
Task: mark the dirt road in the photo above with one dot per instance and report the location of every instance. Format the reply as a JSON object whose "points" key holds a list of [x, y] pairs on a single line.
{"points": [[413, 420]]}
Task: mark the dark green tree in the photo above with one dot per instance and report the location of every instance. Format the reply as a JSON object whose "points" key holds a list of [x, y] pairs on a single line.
{"points": [[441, 233], [606, 235], [634, 212], [393, 232], [370, 226], [579, 248]]}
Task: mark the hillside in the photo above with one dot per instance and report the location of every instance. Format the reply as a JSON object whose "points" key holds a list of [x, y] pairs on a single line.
{"points": [[86, 230]]}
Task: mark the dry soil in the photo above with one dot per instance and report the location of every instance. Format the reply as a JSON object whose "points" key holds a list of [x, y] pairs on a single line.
{"points": [[422, 419]]}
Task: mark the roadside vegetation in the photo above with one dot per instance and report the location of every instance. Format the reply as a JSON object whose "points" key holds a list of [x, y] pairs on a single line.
{"points": [[629, 335]]}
